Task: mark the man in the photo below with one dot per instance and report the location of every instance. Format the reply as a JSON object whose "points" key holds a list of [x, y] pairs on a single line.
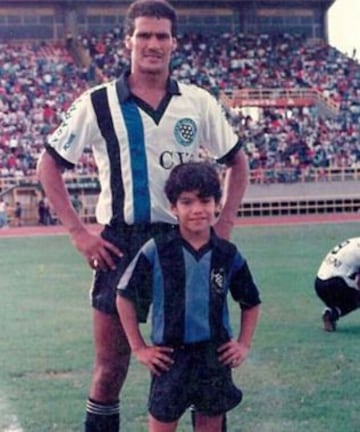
{"points": [[139, 126], [337, 282]]}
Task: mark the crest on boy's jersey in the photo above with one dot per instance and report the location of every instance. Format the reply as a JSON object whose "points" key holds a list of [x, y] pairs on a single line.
{"points": [[217, 280], [185, 131]]}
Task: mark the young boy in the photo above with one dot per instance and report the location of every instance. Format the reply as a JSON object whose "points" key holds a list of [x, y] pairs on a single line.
{"points": [[186, 275]]}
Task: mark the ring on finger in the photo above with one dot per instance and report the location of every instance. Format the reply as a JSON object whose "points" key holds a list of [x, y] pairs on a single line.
{"points": [[94, 262]]}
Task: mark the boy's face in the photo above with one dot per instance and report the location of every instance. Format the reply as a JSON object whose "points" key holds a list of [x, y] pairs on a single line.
{"points": [[195, 214], [151, 45]]}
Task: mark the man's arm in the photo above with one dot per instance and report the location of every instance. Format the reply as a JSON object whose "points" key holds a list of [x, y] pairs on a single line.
{"points": [[51, 179], [92, 247], [128, 318], [236, 181]]}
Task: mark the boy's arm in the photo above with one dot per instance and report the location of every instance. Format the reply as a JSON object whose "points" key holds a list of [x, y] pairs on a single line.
{"points": [[127, 314], [155, 358], [243, 290], [249, 319], [234, 352]]}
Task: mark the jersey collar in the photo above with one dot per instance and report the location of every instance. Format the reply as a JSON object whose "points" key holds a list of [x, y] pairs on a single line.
{"points": [[124, 92], [214, 242]]}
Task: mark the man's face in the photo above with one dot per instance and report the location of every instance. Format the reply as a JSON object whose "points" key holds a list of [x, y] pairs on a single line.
{"points": [[151, 45]]}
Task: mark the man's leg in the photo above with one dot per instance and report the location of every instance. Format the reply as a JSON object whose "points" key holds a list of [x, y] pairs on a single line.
{"points": [[112, 356]]}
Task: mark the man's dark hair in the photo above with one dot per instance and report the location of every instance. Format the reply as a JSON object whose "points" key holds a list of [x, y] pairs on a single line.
{"points": [[193, 176], [152, 9]]}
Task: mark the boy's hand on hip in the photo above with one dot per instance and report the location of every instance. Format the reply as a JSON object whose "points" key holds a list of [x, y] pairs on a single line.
{"points": [[155, 358], [233, 353]]}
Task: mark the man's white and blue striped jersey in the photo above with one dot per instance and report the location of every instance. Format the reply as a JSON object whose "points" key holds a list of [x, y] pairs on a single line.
{"points": [[188, 289], [135, 146]]}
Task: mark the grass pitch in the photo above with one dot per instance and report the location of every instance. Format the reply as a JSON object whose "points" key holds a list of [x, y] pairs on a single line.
{"points": [[297, 379]]}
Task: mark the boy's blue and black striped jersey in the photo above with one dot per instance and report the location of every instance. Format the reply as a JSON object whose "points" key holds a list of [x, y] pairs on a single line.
{"points": [[188, 288]]}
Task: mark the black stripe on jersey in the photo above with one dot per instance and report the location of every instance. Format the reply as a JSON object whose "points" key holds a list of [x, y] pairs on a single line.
{"points": [[172, 265], [105, 122], [221, 260]]}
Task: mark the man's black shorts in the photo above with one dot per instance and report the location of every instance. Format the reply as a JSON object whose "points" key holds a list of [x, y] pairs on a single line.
{"points": [[129, 239]]}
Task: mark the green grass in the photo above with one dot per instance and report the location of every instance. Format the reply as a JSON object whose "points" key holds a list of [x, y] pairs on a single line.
{"points": [[297, 379]]}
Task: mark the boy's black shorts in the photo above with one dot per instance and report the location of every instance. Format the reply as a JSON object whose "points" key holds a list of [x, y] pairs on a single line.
{"points": [[196, 378]]}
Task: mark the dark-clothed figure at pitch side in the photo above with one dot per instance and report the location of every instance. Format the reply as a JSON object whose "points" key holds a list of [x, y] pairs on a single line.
{"points": [[338, 282]]}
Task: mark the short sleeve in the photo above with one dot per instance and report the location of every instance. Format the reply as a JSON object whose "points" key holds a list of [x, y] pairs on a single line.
{"points": [[242, 285], [76, 131]]}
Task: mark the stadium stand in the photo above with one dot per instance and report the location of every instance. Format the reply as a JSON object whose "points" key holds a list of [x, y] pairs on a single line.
{"points": [[293, 98]]}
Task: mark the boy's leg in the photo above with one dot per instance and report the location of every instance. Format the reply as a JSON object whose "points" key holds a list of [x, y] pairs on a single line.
{"points": [[208, 424], [158, 426], [112, 355], [224, 425], [193, 419]]}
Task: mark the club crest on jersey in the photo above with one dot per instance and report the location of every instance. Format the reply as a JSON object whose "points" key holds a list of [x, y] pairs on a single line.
{"points": [[217, 279], [185, 131]]}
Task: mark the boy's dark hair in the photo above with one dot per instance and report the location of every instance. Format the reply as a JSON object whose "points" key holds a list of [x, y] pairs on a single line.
{"points": [[193, 176], [149, 8]]}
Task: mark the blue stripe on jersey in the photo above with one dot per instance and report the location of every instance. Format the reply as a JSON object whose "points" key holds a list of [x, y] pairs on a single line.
{"points": [[135, 130], [158, 318], [197, 297]]}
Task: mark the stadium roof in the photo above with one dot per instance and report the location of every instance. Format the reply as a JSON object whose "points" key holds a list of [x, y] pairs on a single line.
{"points": [[324, 4], [275, 3]]}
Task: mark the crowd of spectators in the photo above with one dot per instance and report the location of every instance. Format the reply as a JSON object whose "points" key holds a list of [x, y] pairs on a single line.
{"points": [[37, 84], [39, 81]]}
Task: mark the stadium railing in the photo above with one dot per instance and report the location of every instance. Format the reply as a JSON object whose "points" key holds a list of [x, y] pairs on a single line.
{"points": [[27, 190], [285, 206], [277, 97], [257, 176], [307, 175]]}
